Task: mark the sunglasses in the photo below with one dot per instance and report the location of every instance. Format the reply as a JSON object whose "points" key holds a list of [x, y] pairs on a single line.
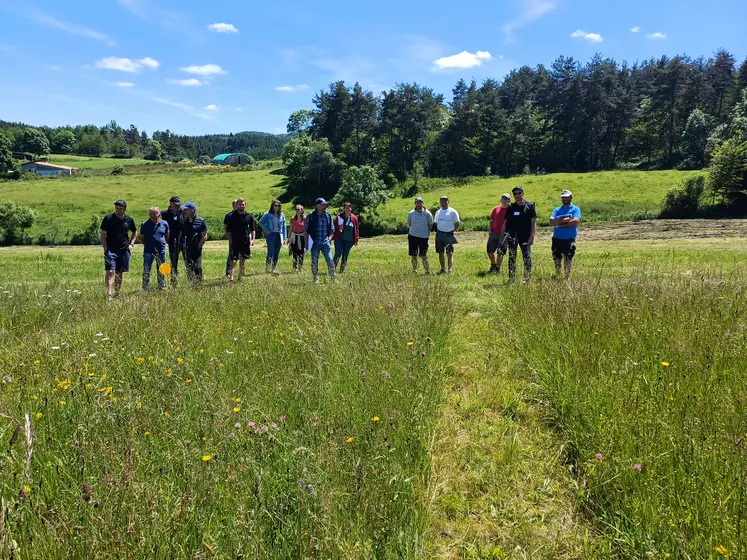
{"points": [[276, 205]]}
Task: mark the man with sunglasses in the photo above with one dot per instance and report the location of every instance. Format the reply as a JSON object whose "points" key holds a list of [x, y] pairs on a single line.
{"points": [[520, 225]]}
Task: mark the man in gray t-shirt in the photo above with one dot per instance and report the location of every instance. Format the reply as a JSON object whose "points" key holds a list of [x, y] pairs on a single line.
{"points": [[419, 222]]}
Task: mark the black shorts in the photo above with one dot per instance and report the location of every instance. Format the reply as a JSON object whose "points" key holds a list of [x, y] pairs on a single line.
{"points": [[563, 247], [418, 246], [497, 242], [241, 250]]}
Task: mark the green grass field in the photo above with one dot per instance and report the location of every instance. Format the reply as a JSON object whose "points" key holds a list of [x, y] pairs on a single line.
{"points": [[85, 162], [388, 416], [65, 206]]}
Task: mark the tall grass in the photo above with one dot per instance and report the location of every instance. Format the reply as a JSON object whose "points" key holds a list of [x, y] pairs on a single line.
{"points": [[645, 375], [261, 420]]}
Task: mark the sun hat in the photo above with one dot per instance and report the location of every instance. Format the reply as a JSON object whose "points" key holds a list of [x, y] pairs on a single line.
{"points": [[190, 206], [120, 203], [566, 193]]}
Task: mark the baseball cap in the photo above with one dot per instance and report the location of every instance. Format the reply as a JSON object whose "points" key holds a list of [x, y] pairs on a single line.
{"points": [[506, 195], [120, 203], [190, 206], [518, 188], [444, 197], [566, 193], [321, 201], [175, 200], [418, 199]]}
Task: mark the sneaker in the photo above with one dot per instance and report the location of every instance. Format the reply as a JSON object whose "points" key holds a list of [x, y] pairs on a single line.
{"points": [[493, 269], [316, 279], [274, 271], [442, 271], [451, 271]]}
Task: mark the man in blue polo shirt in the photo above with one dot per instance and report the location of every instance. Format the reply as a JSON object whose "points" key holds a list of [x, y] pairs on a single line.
{"points": [[565, 218], [154, 233], [320, 230]]}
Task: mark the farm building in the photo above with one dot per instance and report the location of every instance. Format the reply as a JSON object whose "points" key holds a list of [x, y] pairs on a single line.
{"points": [[44, 168], [230, 159]]}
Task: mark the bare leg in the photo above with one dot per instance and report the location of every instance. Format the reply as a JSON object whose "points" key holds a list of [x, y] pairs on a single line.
{"points": [[451, 262], [414, 263], [109, 282], [491, 256], [499, 260], [557, 267], [241, 267], [117, 282], [568, 265], [231, 272], [441, 260], [425, 264]]}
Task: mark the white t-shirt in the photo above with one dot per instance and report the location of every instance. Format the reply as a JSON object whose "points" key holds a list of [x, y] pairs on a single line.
{"points": [[446, 220]]}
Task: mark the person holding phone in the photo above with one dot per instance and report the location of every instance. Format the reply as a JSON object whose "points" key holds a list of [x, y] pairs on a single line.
{"points": [[520, 225]]}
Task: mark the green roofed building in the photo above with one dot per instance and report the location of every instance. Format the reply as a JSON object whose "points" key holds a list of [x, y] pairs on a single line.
{"points": [[230, 159]]}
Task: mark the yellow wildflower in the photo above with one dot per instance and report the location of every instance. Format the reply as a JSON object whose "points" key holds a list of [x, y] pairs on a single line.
{"points": [[665, 364], [207, 458], [140, 360], [721, 550], [375, 419], [202, 350], [237, 399], [410, 343], [37, 362], [179, 360], [349, 440], [26, 490], [188, 381], [236, 409], [38, 415], [151, 358], [167, 414], [139, 405]]}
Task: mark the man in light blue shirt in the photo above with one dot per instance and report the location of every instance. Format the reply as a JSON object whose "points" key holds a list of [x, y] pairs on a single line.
{"points": [[565, 218], [419, 223]]}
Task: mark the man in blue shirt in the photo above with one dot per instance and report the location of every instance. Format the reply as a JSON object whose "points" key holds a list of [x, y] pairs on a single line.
{"points": [[320, 228], [565, 218], [154, 233]]}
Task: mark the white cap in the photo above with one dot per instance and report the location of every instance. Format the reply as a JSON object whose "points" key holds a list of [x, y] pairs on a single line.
{"points": [[566, 193], [506, 195]]}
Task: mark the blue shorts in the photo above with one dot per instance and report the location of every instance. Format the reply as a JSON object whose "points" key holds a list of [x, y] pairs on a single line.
{"points": [[117, 260]]}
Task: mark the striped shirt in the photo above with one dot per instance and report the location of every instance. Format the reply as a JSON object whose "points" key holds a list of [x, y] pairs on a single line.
{"points": [[420, 223]]}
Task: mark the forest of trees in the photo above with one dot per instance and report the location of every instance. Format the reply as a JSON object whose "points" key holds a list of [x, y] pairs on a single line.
{"points": [[673, 112], [112, 139]]}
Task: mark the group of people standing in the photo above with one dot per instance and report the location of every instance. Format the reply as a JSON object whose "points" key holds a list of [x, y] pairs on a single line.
{"points": [[512, 227], [179, 232]]}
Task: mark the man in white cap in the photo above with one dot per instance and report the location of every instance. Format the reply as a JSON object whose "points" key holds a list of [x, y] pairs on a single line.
{"points": [[496, 239], [565, 218]]}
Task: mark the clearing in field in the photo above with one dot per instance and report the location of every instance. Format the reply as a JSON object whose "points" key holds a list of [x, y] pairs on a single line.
{"points": [[389, 416]]}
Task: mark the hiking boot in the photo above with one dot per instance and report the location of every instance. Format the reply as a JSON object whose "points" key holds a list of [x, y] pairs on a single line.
{"points": [[442, 271]]}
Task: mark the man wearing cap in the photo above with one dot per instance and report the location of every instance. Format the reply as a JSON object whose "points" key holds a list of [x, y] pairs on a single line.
{"points": [[496, 239], [192, 236], [565, 218], [240, 230], [419, 222], [447, 222], [226, 219], [320, 229], [117, 237], [172, 216], [520, 225], [154, 233]]}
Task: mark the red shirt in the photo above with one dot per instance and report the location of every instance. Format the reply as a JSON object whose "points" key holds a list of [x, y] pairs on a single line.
{"points": [[498, 215], [298, 226]]}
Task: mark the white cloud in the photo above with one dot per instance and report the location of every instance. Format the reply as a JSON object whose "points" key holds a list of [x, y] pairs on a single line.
{"points": [[591, 37], [204, 70], [212, 107], [462, 60], [189, 82], [239, 110], [71, 28], [656, 35], [149, 62], [635, 29], [223, 28], [290, 89], [125, 64], [531, 10], [125, 84]]}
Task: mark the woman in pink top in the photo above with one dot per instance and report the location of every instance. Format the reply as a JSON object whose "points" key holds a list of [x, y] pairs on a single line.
{"points": [[296, 239]]}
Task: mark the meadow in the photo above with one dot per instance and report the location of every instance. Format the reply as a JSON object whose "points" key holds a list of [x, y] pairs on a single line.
{"points": [[389, 416], [67, 206], [88, 162]]}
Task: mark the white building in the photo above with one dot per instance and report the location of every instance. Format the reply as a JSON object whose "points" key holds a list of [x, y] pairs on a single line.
{"points": [[43, 168]]}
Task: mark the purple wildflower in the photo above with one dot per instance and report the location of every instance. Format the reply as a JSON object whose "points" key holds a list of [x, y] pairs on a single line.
{"points": [[237, 425], [637, 467], [599, 457]]}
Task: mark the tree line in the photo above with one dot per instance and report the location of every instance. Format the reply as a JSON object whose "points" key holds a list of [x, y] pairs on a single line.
{"points": [[668, 112], [112, 139]]}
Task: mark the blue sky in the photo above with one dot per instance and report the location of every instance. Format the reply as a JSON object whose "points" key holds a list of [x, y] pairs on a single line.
{"points": [[198, 67]]}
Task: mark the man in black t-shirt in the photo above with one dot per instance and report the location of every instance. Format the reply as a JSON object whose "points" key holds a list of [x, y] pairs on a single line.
{"points": [[521, 225], [117, 237], [172, 216], [240, 232], [229, 258]]}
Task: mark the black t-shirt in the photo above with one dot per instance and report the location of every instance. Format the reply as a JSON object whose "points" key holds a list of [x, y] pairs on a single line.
{"points": [[191, 233], [118, 231], [519, 218], [240, 226], [174, 221]]}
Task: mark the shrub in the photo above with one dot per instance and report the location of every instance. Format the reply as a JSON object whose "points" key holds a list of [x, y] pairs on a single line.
{"points": [[684, 202], [117, 170]]}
